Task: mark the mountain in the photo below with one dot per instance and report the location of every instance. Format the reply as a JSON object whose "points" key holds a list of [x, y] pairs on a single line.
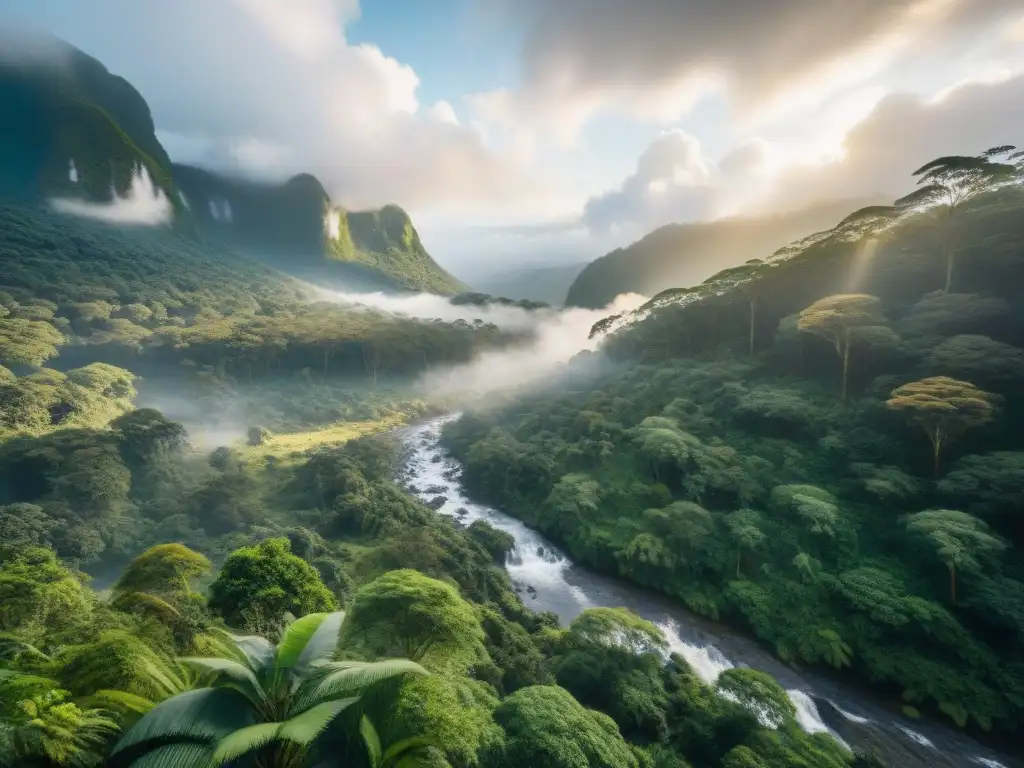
{"points": [[546, 284], [295, 226], [685, 254], [74, 130]]}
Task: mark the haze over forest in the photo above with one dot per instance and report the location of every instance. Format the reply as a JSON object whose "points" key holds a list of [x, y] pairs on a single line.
{"points": [[508, 384]]}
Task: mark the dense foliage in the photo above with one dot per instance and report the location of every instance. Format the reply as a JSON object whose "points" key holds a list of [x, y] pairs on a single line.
{"points": [[821, 448], [149, 673]]}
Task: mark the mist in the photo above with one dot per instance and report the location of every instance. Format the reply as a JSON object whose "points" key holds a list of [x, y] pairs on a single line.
{"points": [[143, 204], [555, 336], [430, 306]]}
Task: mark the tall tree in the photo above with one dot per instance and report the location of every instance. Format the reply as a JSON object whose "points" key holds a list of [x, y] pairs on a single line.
{"points": [[947, 186], [745, 528], [960, 540], [271, 705], [836, 319], [945, 408]]}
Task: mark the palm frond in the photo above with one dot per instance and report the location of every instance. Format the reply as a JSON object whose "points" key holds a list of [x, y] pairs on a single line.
{"points": [[372, 741], [295, 639], [162, 676], [201, 716], [303, 729], [322, 644], [119, 702], [258, 651], [401, 751], [341, 677], [175, 756], [239, 676], [244, 741]]}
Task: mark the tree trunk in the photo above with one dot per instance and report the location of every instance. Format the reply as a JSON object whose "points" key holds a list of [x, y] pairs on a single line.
{"points": [[950, 262], [753, 318], [937, 440], [739, 558], [846, 368], [952, 583]]}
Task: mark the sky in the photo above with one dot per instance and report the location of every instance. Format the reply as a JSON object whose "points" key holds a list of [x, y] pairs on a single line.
{"points": [[528, 132]]}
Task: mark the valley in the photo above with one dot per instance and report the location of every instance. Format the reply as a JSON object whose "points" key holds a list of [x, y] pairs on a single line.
{"points": [[280, 490]]}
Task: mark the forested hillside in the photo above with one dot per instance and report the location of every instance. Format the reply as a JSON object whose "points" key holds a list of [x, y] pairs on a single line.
{"points": [[824, 447], [294, 226], [684, 254]]}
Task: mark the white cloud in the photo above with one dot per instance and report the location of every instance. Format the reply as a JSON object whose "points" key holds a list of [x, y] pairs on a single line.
{"points": [[673, 181], [443, 112], [270, 89], [902, 133], [144, 204]]}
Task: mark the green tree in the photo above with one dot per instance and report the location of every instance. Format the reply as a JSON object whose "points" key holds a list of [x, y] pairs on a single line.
{"points": [[989, 485], [573, 499], [979, 358], [25, 525], [759, 693], [745, 528], [43, 728], [610, 660], [420, 617], [546, 726], [817, 509], [164, 570], [945, 408], [28, 342], [837, 319], [257, 586], [947, 186], [960, 541], [145, 433], [38, 593], [280, 707]]}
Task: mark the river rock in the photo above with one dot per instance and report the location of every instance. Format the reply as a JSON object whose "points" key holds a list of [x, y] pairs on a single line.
{"points": [[437, 502]]}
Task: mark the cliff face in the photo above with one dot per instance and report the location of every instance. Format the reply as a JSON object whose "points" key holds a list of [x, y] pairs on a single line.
{"points": [[72, 128], [295, 225]]}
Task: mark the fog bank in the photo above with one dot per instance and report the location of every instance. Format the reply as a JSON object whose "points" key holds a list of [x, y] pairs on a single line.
{"points": [[556, 335]]}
